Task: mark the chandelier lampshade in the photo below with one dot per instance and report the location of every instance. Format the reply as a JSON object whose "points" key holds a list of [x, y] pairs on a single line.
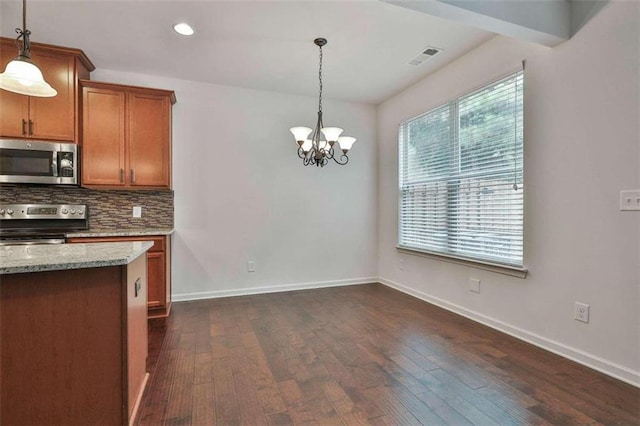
{"points": [[315, 150]]}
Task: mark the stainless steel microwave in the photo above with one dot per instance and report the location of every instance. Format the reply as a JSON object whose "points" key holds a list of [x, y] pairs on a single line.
{"points": [[53, 163]]}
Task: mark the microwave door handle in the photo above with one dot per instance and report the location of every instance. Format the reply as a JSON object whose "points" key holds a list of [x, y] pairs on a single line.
{"points": [[54, 164]]}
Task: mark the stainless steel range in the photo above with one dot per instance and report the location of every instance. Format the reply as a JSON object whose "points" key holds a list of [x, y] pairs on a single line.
{"points": [[40, 223]]}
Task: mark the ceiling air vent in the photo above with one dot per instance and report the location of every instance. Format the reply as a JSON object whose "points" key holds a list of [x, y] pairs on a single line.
{"points": [[423, 56]]}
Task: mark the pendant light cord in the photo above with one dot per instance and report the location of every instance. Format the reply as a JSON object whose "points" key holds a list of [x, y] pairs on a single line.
{"points": [[24, 32], [24, 15]]}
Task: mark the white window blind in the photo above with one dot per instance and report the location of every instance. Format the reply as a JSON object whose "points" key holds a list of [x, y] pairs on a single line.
{"points": [[461, 177]]}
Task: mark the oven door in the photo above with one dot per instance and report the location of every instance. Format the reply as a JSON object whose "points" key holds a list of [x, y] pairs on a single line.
{"points": [[38, 162]]}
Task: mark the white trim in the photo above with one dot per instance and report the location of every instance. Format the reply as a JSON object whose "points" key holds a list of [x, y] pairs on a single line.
{"points": [[609, 368], [472, 263], [182, 297]]}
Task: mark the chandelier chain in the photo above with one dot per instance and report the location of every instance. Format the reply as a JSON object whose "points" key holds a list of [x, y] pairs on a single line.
{"points": [[320, 80]]}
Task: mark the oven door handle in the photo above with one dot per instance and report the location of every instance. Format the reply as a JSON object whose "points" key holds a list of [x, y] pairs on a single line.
{"points": [[32, 242]]}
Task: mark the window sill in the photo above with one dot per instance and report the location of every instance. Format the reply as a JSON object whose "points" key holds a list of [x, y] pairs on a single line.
{"points": [[492, 267]]}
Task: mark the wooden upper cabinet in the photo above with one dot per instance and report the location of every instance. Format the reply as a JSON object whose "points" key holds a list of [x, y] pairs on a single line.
{"points": [[27, 117], [54, 118], [149, 139], [103, 136], [126, 136]]}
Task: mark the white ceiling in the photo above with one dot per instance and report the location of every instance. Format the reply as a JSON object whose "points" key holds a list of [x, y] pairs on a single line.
{"points": [[255, 44]]}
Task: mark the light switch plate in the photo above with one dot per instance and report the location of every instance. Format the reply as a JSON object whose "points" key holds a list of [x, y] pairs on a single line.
{"points": [[630, 200], [137, 211]]}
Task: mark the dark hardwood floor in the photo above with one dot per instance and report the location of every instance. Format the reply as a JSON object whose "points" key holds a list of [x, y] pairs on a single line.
{"points": [[361, 355]]}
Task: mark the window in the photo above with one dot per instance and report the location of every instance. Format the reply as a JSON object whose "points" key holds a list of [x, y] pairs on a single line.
{"points": [[461, 177]]}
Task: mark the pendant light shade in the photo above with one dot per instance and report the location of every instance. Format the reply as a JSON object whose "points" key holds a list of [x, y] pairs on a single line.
{"points": [[23, 77], [21, 74]]}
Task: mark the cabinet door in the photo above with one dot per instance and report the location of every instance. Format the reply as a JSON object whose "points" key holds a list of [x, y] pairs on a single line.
{"points": [[149, 140], [53, 118], [14, 108], [103, 137], [156, 280]]}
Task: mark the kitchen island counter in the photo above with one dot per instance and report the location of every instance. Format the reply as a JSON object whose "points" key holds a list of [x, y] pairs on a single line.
{"points": [[54, 257], [73, 326]]}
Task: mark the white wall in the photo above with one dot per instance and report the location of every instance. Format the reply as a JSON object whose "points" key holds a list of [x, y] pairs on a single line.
{"points": [[582, 146], [241, 193]]}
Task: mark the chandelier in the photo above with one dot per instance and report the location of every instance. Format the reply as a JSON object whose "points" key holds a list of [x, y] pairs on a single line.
{"points": [[22, 75], [315, 151]]}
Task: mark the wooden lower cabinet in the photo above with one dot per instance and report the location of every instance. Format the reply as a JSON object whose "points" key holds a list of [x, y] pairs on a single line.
{"points": [[158, 269], [74, 345]]}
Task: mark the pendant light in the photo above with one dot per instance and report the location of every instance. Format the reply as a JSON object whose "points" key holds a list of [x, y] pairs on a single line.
{"points": [[315, 151], [22, 75]]}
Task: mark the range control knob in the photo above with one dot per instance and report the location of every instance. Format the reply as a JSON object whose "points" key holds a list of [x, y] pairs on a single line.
{"points": [[9, 212], [73, 211], [64, 211], [1, 211], [80, 211]]}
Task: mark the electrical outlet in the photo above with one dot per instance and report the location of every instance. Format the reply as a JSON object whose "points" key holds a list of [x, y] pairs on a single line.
{"points": [[251, 266], [137, 211], [401, 264], [630, 200], [474, 285], [581, 312]]}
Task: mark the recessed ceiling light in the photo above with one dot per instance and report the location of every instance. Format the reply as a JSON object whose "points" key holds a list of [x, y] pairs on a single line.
{"points": [[183, 28]]}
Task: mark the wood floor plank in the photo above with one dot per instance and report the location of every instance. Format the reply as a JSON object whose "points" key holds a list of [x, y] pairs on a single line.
{"points": [[360, 355], [393, 408], [225, 397], [203, 404]]}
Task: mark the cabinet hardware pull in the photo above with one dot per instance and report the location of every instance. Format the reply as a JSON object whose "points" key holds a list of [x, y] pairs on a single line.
{"points": [[24, 126], [30, 127], [133, 176], [121, 175], [138, 286]]}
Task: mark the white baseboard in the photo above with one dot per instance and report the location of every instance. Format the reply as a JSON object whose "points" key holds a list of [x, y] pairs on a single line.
{"points": [[602, 365], [182, 297]]}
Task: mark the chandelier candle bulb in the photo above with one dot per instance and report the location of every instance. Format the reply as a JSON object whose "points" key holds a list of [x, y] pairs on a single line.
{"points": [[318, 152]]}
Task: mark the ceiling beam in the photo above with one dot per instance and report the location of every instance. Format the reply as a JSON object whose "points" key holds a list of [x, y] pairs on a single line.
{"points": [[543, 22]]}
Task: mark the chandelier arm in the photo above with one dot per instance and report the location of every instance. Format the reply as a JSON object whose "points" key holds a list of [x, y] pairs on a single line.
{"points": [[330, 153], [344, 159]]}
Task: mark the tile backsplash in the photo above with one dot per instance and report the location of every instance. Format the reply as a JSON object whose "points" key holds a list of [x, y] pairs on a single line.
{"points": [[108, 209]]}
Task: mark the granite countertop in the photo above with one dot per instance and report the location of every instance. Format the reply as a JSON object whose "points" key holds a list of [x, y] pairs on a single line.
{"points": [[120, 232], [55, 257]]}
